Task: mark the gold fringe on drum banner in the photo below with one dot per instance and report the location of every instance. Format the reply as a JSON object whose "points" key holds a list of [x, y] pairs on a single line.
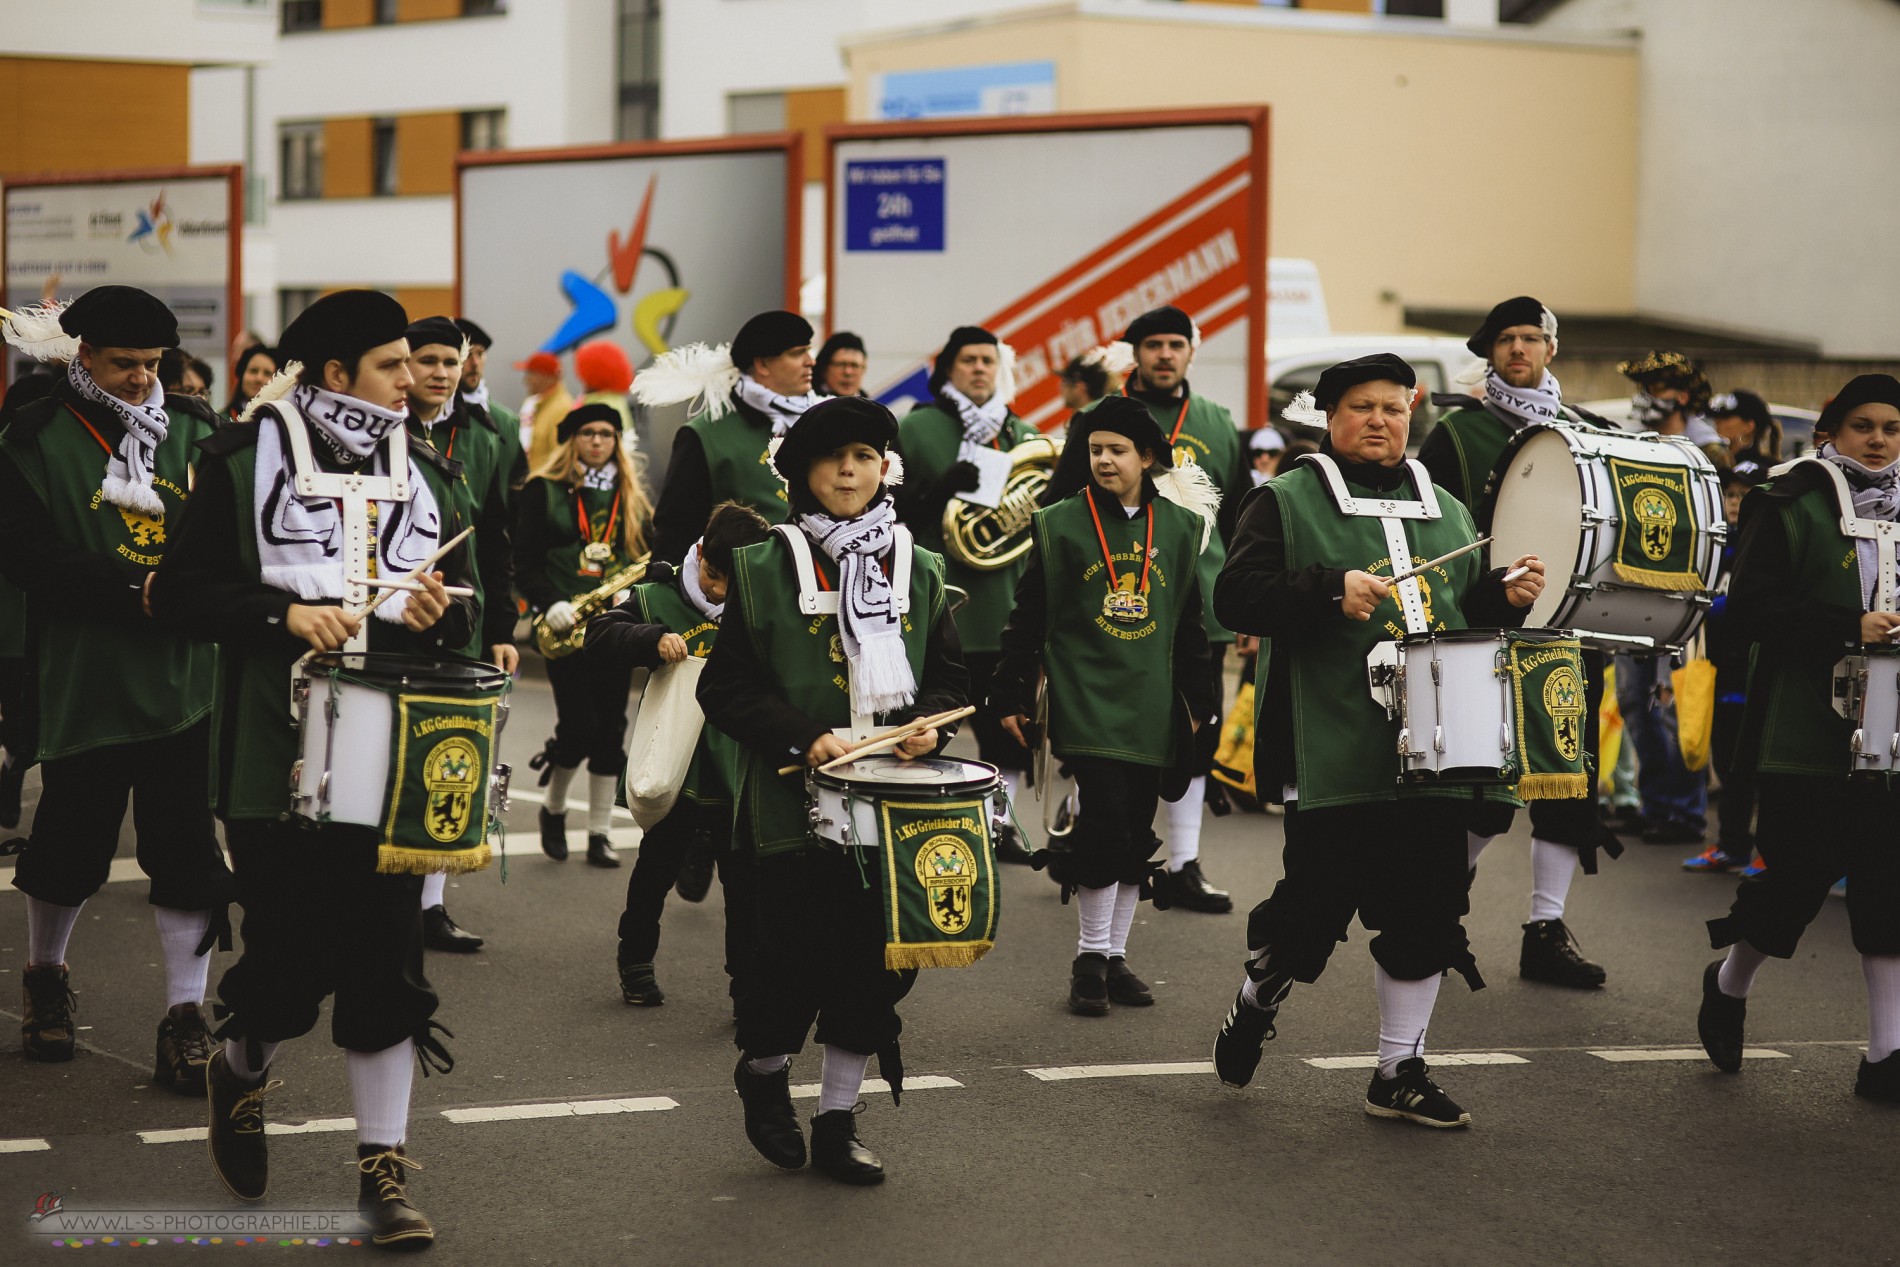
{"points": [[1678, 581], [1552, 787], [937, 872], [395, 860]]}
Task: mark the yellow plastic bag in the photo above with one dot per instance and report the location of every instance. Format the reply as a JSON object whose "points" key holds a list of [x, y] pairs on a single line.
{"points": [[1233, 760], [1694, 685]]}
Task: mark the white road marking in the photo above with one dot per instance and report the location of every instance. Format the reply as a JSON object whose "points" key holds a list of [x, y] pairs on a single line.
{"points": [[1066, 1073], [539, 798], [1434, 1059], [877, 1086], [1682, 1053], [24, 1146], [566, 1108], [315, 1126]]}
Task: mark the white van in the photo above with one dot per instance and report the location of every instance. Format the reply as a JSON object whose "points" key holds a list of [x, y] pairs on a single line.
{"points": [[1295, 364]]}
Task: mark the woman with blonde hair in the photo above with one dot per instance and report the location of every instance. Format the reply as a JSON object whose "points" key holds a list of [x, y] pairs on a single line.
{"points": [[582, 516]]}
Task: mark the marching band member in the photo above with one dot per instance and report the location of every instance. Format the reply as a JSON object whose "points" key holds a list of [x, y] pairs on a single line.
{"points": [[1302, 578], [674, 615], [1517, 342], [1804, 609], [781, 683], [1109, 609], [503, 421], [255, 569], [92, 477], [972, 385], [840, 365], [581, 517]]}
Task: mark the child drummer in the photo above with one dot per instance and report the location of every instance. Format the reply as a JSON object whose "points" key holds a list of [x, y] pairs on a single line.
{"points": [[1110, 611], [783, 683], [676, 614]]}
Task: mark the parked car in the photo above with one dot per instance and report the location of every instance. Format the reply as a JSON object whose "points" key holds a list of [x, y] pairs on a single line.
{"points": [[1294, 365]]}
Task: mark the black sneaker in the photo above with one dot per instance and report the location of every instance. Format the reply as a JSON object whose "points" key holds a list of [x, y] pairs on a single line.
{"points": [[1088, 985], [1009, 844], [383, 1198], [600, 851], [554, 835], [1242, 1036], [1189, 889], [639, 986], [1879, 1079], [184, 1050], [837, 1151], [769, 1121], [1550, 955], [696, 871], [236, 1136], [1720, 1022], [439, 932], [1124, 987], [1413, 1095], [46, 1017]]}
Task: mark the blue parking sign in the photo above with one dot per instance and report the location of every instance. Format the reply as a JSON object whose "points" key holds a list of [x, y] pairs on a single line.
{"points": [[894, 204]]}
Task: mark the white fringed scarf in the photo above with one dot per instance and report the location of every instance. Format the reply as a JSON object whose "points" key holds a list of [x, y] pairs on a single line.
{"points": [[128, 481], [782, 410], [981, 423], [689, 583], [1876, 496], [1525, 405], [868, 621]]}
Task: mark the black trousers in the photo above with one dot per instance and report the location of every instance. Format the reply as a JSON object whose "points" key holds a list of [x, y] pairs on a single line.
{"points": [[1114, 834], [820, 938], [590, 712], [320, 920], [663, 851], [993, 744], [13, 735], [1737, 818], [1399, 865], [1813, 831], [82, 805]]}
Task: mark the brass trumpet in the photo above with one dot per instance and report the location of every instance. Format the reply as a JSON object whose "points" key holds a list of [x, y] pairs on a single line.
{"points": [[586, 607], [986, 538]]}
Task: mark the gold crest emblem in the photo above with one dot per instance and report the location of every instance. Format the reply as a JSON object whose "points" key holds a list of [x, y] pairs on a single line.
{"points": [[1184, 455], [1564, 701], [1655, 518], [452, 774], [146, 530], [837, 648], [946, 868]]}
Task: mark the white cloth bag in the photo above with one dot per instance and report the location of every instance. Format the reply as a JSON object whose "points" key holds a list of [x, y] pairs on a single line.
{"points": [[664, 736]]}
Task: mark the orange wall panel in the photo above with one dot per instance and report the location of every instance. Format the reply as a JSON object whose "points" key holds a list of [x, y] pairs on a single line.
{"points": [[425, 152], [425, 301], [1338, 6], [348, 158], [808, 110], [341, 14], [60, 115], [427, 10]]}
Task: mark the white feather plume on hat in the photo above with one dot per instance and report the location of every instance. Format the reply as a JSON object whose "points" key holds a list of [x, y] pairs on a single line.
{"points": [[1303, 411], [280, 385], [36, 331], [1188, 486], [697, 372], [1117, 357], [892, 477], [1005, 373]]}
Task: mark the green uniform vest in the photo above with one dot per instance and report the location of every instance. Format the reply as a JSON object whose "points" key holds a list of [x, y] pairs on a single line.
{"points": [[508, 432], [562, 563], [807, 655], [930, 437], [709, 777], [1345, 747], [1207, 438], [1789, 700], [1477, 437], [479, 451], [97, 682], [1111, 685], [739, 466]]}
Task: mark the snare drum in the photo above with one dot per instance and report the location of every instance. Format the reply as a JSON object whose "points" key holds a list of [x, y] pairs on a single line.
{"points": [[846, 801], [1637, 519], [1867, 693]]}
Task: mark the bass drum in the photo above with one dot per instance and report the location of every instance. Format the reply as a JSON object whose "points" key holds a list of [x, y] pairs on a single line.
{"points": [[1638, 579]]}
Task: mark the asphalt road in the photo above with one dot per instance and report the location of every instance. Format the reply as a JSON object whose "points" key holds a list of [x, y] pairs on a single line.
{"points": [[637, 1153]]}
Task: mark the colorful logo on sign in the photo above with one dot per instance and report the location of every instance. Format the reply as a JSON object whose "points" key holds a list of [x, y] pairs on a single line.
{"points": [[596, 301], [155, 227]]}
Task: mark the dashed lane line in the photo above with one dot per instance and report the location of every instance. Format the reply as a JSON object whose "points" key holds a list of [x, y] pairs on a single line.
{"points": [[1069, 1073], [1631, 1055], [877, 1086], [24, 1146], [189, 1134], [564, 1108], [1435, 1059]]}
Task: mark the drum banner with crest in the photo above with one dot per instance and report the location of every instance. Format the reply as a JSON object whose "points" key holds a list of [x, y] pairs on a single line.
{"points": [[938, 875], [438, 801], [1551, 761], [1656, 540]]}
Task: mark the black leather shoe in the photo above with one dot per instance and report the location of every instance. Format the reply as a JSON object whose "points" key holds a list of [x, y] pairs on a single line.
{"points": [[696, 871], [1189, 889], [1124, 987], [1550, 955], [439, 932], [383, 1199], [1088, 985], [46, 1016], [12, 778], [600, 853], [837, 1151], [769, 1121], [554, 835], [1720, 1022], [184, 1049], [237, 1129], [639, 986], [1009, 845], [1879, 1079]]}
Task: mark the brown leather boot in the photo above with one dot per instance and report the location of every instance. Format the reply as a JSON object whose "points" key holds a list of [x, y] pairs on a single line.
{"points": [[184, 1050], [383, 1199], [46, 1017]]}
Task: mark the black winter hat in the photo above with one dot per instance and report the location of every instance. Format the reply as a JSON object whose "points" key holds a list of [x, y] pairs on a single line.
{"points": [[341, 327], [1341, 378], [828, 425], [766, 335], [1125, 417], [960, 338], [120, 317], [580, 415], [433, 330], [1521, 311], [1168, 320], [476, 335], [1866, 389]]}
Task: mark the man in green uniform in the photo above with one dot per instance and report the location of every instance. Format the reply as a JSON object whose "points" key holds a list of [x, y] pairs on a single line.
{"points": [[92, 479], [503, 421]]}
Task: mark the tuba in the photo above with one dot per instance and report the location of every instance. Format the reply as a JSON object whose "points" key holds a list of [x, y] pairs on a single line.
{"points": [[586, 607], [987, 538]]}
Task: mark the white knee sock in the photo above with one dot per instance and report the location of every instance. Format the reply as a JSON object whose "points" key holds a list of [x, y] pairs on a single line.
{"points": [[186, 971], [1883, 1005], [433, 887], [1737, 976], [1127, 899], [843, 1078], [1405, 1012], [600, 802], [48, 929], [1184, 824], [1474, 845], [767, 1064], [558, 780], [379, 1084], [238, 1059], [1095, 908], [1552, 869]]}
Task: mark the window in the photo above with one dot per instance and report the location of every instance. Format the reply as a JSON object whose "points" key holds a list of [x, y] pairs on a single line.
{"points": [[755, 112], [300, 160], [383, 157], [484, 129], [639, 69], [302, 15], [483, 8], [291, 303]]}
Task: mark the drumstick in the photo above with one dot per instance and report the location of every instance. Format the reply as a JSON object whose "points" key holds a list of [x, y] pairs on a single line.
{"points": [[422, 568], [412, 587], [1513, 574], [890, 738], [1406, 575]]}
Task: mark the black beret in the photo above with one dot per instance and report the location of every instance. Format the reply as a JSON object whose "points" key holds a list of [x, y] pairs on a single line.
{"points": [[1125, 417], [580, 415], [960, 338], [341, 327], [476, 335], [837, 343], [826, 427], [1522, 311], [1746, 473], [120, 317], [429, 330], [1866, 389], [767, 335], [1169, 320], [1379, 367]]}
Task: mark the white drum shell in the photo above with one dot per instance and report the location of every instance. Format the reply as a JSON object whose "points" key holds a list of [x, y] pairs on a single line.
{"points": [[347, 780], [1455, 711], [1876, 740], [849, 815]]}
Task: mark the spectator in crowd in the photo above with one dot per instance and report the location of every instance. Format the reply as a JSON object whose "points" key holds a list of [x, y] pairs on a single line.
{"points": [[547, 403], [1753, 436], [1265, 448], [255, 366], [606, 376], [1085, 380], [182, 374], [839, 369]]}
